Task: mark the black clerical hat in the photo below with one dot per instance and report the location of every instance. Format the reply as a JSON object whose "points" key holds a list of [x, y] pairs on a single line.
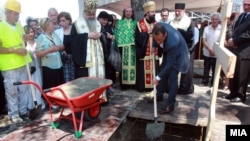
{"points": [[179, 6]]}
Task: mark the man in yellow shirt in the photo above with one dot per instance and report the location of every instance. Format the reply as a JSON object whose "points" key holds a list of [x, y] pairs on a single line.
{"points": [[12, 62]]}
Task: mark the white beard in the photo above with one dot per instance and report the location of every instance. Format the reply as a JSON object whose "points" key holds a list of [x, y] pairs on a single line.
{"points": [[91, 24], [182, 23]]}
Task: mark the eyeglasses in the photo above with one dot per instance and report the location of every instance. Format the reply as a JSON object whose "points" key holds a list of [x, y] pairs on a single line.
{"points": [[164, 15]]}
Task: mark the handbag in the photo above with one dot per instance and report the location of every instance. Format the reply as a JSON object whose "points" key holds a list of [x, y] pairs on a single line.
{"points": [[64, 57], [115, 58]]}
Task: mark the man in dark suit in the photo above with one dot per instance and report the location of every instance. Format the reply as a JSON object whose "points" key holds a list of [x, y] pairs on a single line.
{"points": [[239, 41], [175, 60]]}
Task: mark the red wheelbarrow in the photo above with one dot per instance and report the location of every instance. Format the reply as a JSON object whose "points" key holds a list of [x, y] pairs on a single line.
{"points": [[83, 95]]}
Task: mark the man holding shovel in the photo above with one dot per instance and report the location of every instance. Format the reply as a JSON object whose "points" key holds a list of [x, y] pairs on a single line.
{"points": [[175, 60], [13, 61]]}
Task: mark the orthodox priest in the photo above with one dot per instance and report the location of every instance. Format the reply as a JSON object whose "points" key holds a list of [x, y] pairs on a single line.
{"points": [[125, 33], [89, 45], [145, 49], [87, 49], [185, 26]]}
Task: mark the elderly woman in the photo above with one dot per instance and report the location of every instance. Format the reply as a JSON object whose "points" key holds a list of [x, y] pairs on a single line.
{"points": [[48, 49], [65, 21]]}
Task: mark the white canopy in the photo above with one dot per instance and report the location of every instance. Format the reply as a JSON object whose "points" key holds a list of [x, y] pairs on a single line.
{"points": [[205, 6]]}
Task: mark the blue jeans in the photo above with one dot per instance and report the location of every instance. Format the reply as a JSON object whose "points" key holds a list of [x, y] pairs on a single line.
{"points": [[16, 96], [172, 80]]}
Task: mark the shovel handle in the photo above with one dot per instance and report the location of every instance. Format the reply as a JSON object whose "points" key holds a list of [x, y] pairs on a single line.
{"points": [[17, 83], [154, 90]]}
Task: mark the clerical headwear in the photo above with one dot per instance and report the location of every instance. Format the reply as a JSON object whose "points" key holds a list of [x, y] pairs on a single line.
{"points": [[179, 6], [149, 6], [90, 6]]}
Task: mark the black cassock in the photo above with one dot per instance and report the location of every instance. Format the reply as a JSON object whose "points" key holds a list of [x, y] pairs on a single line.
{"points": [[141, 40], [79, 51]]}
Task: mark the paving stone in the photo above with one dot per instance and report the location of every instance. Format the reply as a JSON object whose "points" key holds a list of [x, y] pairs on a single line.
{"points": [[192, 110]]}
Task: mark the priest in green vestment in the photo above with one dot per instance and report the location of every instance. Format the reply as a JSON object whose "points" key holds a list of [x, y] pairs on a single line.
{"points": [[125, 39]]}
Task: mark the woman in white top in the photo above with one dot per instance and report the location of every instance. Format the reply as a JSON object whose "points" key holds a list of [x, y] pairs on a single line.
{"points": [[36, 74]]}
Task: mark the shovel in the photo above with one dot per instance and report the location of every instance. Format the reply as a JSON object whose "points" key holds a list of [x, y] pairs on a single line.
{"points": [[36, 110], [155, 130]]}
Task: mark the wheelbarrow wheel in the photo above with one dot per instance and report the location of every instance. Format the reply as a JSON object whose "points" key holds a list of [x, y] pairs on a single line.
{"points": [[92, 113]]}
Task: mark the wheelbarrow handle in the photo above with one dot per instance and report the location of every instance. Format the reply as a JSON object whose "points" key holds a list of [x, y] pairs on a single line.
{"points": [[47, 90], [17, 83]]}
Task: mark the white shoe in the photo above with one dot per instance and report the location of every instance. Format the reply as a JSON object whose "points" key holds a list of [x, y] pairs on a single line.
{"points": [[16, 120]]}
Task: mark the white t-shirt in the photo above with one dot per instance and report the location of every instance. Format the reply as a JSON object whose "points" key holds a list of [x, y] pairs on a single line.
{"points": [[211, 35]]}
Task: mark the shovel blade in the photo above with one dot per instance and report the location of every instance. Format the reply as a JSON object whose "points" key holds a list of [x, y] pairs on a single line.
{"points": [[155, 130], [35, 112]]}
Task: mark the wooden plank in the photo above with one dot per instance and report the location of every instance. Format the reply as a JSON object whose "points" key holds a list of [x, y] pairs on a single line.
{"points": [[226, 59], [222, 55]]}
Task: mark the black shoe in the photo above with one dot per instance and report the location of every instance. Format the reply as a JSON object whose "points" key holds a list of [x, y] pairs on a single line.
{"points": [[183, 92], [204, 82], [237, 99], [158, 99], [124, 87], [105, 103], [167, 110], [110, 92], [141, 90], [24, 117], [230, 96], [180, 91], [167, 91]]}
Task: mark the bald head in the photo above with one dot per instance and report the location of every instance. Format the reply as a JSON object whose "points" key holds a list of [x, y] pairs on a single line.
{"points": [[246, 1]]}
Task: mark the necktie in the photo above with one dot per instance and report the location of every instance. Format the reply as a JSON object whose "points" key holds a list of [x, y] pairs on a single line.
{"points": [[243, 18]]}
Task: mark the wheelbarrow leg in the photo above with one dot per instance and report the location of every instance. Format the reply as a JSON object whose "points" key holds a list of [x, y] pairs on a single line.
{"points": [[55, 124], [78, 132]]}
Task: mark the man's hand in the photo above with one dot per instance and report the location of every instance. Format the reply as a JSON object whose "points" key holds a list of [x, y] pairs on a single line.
{"points": [[25, 37], [109, 36], [94, 35], [54, 48], [156, 82], [153, 51], [230, 43], [21, 51], [211, 52]]}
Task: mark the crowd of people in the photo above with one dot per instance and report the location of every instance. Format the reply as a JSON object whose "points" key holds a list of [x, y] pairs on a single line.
{"points": [[59, 50]]}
